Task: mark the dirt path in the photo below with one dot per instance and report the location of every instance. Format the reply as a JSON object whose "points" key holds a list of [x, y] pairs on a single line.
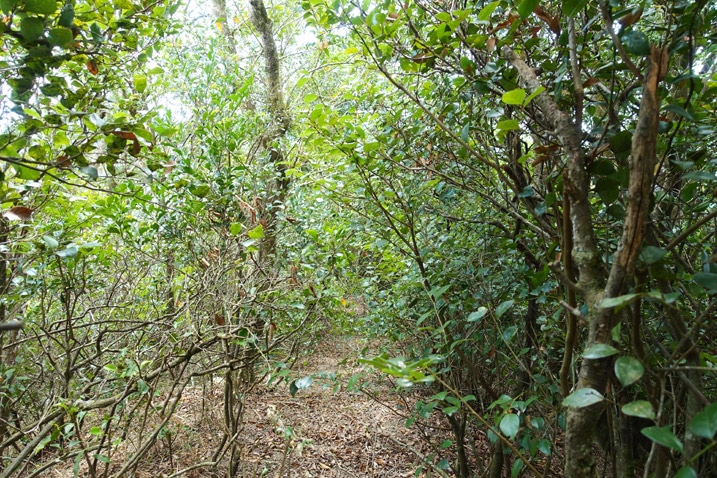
{"points": [[324, 430], [333, 432]]}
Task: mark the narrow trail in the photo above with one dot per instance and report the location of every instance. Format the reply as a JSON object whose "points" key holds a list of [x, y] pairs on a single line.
{"points": [[334, 432], [324, 430]]}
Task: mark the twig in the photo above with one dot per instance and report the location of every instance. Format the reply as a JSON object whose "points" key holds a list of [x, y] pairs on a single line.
{"points": [[564, 279], [618, 43], [676, 241], [573, 310], [419, 455]]}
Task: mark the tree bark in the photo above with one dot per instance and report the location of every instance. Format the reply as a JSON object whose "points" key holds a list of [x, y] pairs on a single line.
{"points": [[280, 122], [221, 17], [277, 110], [594, 373]]}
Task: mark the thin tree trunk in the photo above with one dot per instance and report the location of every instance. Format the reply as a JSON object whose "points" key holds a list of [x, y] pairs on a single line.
{"points": [[7, 356], [594, 373], [221, 17], [279, 125]]}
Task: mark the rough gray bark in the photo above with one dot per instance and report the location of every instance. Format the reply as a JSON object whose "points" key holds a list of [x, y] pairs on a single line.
{"points": [[276, 109], [278, 126]]}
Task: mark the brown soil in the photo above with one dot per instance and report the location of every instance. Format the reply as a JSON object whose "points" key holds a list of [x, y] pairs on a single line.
{"points": [[335, 432]]}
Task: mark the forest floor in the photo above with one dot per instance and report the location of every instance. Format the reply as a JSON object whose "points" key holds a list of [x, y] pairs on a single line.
{"points": [[325, 430], [338, 432]]}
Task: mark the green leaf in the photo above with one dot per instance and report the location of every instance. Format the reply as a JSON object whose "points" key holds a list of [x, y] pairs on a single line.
{"points": [[256, 233], [509, 425], [67, 16], [96, 33], [438, 291], [467, 65], [526, 7], [583, 397], [704, 424], [310, 97], [69, 251], [503, 308], [532, 96], [140, 83], [43, 7], [527, 192], [514, 97], [516, 468], [487, 11], [477, 315], [26, 173], [708, 280], [621, 142], [600, 350], [371, 146], [619, 301], [50, 242], [97, 431], [636, 43], [573, 7], [465, 132], [90, 171], [439, 396], [608, 189], [32, 28], [700, 176], [60, 36], [679, 110], [7, 5], [686, 472], [616, 211], [628, 370], [78, 459], [508, 125], [236, 228], [663, 436], [639, 408], [544, 447], [200, 190], [40, 446], [652, 254], [102, 458], [300, 384], [509, 333]]}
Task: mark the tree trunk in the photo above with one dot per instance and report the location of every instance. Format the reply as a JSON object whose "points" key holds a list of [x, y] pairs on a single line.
{"points": [[221, 17], [279, 125], [594, 373]]}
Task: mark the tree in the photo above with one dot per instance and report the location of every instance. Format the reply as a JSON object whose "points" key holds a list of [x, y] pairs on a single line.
{"points": [[133, 263], [572, 129], [522, 193]]}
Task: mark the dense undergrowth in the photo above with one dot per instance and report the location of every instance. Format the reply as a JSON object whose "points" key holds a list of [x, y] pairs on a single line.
{"points": [[518, 197]]}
